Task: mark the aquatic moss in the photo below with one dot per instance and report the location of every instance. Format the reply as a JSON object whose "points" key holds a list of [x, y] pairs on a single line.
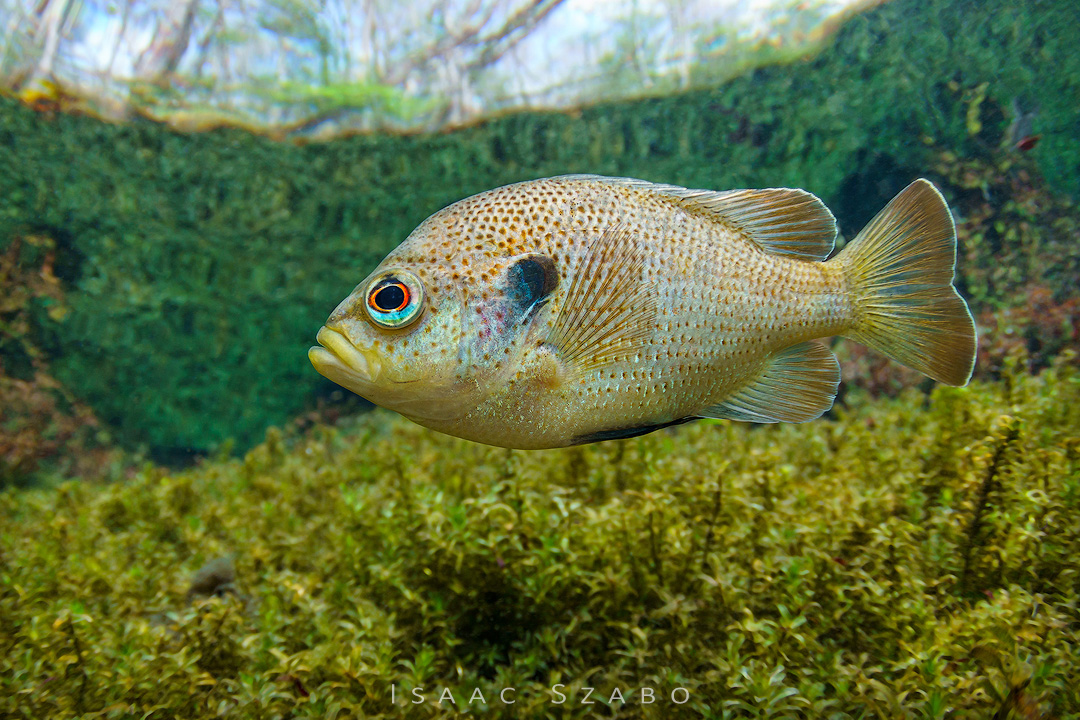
{"points": [[912, 557], [41, 422], [197, 268], [1018, 267]]}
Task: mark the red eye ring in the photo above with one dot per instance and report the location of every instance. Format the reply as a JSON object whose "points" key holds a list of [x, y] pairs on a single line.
{"points": [[395, 295], [394, 299]]}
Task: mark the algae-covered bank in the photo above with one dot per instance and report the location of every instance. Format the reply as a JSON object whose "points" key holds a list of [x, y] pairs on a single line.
{"points": [[910, 558], [192, 271]]}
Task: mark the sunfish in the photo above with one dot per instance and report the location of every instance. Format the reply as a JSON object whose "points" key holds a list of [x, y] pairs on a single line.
{"points": [[580, 308]]}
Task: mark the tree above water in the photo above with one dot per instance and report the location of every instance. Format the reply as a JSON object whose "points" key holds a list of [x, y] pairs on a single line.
{"points": [[325, 66]]}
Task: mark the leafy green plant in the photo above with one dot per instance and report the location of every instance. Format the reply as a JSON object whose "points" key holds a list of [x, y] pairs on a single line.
{"points": [[199, 267], [910, 557], [42, 424]]}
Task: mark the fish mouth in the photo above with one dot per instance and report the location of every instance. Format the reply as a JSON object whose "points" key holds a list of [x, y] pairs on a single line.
{"points": [[339, 360]]}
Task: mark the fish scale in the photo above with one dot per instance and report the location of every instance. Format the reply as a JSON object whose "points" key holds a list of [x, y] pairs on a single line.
{"points": [[581, 308]]}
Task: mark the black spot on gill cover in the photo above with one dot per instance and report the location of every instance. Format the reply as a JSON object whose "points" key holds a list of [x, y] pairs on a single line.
{"points": [[531, 280]]}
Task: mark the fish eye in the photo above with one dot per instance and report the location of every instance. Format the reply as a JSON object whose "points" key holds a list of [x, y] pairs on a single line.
{"points": [[395, 299]]}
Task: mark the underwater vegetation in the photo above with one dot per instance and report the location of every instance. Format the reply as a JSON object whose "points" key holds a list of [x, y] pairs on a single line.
{"points": [[912, 554], [912, 557], [1020, 264], [40, 419], [1018, 267], [195, 269]]}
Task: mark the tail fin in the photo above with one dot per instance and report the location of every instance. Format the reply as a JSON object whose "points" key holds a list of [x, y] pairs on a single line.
{"points": [[900, 271]]}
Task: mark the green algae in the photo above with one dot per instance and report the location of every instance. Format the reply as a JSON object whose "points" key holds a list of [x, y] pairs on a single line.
{"points": [[910, 557], [197, 268]]}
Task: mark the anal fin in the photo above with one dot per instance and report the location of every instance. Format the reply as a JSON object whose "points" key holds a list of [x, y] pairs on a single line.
{"points": [[798, 385]]}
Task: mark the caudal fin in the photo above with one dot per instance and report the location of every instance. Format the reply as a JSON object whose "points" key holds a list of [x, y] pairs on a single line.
{"points": [[900, 271]]}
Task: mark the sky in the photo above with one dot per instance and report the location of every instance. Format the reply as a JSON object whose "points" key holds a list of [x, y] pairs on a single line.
{"points": [[579, 51]]}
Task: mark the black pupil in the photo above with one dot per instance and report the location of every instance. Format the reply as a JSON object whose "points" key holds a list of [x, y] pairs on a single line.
{"points": [[389, 298]]}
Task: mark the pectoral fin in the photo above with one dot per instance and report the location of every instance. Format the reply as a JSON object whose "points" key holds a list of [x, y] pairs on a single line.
{"points": [[798, 385], [608, 310]]}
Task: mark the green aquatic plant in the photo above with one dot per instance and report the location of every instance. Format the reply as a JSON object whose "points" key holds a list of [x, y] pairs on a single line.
{"points": [[912, 557], [1014, 234], [1018, 265], [44, 428], [199, 266], [1019, 261]]}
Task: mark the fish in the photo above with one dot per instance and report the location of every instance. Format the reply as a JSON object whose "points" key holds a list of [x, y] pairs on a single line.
{"points": [[581, 308], [1028, 142]]}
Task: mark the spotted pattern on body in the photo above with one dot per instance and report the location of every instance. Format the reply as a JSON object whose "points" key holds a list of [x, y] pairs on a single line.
{"points": [[658, 305]]}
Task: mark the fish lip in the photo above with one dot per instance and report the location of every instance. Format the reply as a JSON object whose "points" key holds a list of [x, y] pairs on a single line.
{"points": [[338, 359]]}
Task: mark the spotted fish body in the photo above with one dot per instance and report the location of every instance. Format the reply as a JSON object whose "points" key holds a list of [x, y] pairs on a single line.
{"points": [[582, 308]]}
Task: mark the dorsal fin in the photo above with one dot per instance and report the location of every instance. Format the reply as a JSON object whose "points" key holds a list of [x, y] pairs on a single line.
{"points": [[798, 385], [782, 221], [607, 311]]}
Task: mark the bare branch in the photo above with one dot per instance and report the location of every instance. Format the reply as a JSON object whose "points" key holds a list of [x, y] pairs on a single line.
{"points": [[516, 29], [488, 48], [171, 38], [52, 15]]}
